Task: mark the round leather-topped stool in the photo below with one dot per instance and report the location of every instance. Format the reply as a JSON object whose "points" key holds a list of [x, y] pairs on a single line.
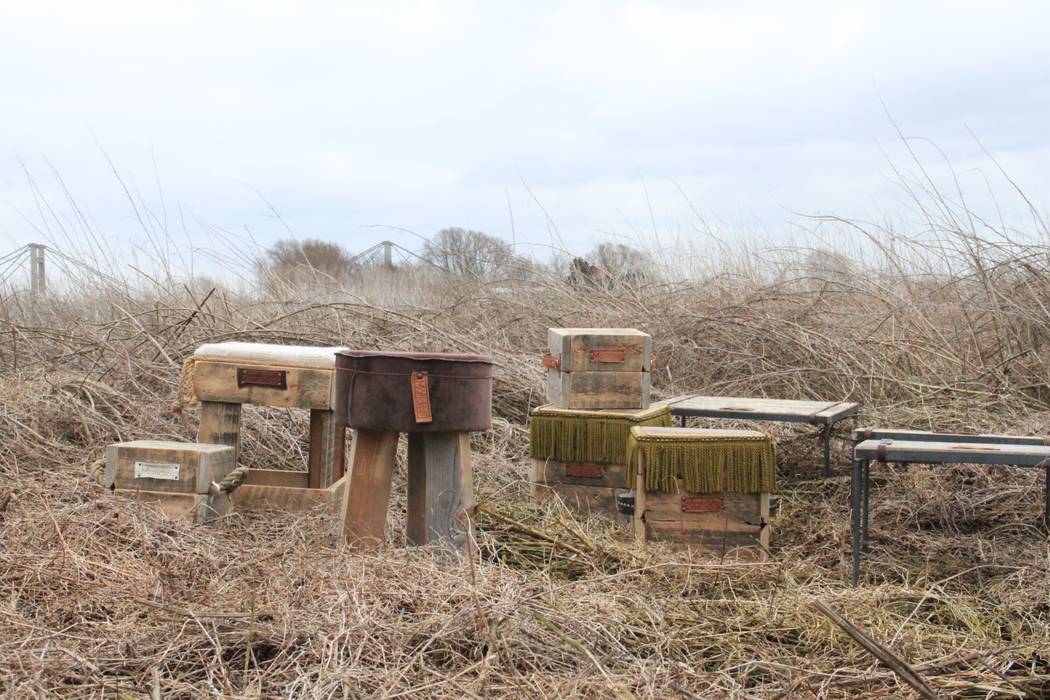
{"points": [[438, 399]]}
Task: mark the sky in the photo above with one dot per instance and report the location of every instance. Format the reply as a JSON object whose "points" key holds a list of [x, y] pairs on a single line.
{"points": [[555, 125]]}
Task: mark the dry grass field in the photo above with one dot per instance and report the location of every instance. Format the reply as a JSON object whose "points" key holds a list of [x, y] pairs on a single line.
{"points": [[107, 598]]}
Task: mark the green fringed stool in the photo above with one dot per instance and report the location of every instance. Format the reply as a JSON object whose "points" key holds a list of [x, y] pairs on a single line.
{"points": [[582, 455], [704, 488]]}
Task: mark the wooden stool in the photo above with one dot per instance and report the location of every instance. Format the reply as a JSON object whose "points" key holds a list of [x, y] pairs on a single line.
{"points": [[438, 400], [581, 456], [706, 488], [227, 375]]}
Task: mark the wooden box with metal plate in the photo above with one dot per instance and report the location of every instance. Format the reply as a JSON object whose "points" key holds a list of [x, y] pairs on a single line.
{"points": [[598, 368], [704, 489], [179, 476], [581, 456]]}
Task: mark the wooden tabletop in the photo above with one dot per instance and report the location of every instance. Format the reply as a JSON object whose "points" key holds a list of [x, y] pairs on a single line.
{"points": [[952, 452], [783, 410]]}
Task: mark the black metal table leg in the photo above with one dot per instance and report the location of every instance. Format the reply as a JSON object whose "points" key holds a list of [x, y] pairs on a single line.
{"points": [[866, 480], [1046, 506], [854, 492], [826, 435]]}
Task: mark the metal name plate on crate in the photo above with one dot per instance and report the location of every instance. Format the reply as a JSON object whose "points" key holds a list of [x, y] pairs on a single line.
{"points": [[157, 470]]}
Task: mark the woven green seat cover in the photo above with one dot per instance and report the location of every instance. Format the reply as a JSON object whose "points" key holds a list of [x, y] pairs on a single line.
{"points": [[707, 461], [588, 436]]}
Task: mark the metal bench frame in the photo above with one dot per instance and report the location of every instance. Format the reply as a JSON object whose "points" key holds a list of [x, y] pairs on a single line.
{"points": [[897, 451]]}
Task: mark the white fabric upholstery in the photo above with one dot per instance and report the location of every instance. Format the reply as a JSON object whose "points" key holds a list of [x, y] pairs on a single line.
{"points": [[296, 355]]}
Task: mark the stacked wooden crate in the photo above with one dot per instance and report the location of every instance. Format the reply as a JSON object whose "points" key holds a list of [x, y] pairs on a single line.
{"points": [[702, 488], [598, 388], [598, 368]]}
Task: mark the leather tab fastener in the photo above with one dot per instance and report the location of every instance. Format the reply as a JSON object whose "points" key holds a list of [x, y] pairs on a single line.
{"points": [[269, 378], [701, 504], [880, 451], [582, 470], [421, 397], [608, 356], [551, 362]]}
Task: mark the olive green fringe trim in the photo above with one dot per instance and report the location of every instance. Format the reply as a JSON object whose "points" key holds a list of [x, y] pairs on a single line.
{"points": [[709, 466], [587, 438]]}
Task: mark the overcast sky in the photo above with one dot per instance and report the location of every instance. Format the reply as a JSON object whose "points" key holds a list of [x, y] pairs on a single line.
{"points": [[553, 123]]}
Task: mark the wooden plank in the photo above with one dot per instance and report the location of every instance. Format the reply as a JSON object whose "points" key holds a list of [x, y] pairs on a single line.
{"points": [[713, 541], [166, 466], [256, 497], [551, 471], [861, 434], [326, 448], [441, 484], [305, 387], [220, 424], [954, 452], [367, 495], [416, 517], [741, 509], [277, 477], [744, 408], [601, 349], [195, 507], [585, 499], [594, 390]]}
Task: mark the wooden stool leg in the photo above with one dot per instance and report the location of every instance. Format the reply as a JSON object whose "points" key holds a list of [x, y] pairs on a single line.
{"points": [[440, 489], [367, 495], [221, 425], [326, 440]]}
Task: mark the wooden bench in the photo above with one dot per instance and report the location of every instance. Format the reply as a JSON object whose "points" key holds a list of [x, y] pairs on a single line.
{"points": [[820, 413], [907, 446], [230, 374]]}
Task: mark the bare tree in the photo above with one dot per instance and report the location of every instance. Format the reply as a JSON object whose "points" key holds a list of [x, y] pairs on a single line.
{"points": [[470, 253], [623, 263], [292, 260]]}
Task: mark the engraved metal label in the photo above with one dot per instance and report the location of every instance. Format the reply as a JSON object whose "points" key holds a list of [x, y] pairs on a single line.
{"points": [[608, 355], [157, 470], [584, 471], [421, 397], [701, 504], [270, 378]]}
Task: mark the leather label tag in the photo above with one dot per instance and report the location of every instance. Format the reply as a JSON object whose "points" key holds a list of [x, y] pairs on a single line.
{"points": [[421, 397], [582, 470], [269, 378], [609, 356], [701, 504], [551, 362]]}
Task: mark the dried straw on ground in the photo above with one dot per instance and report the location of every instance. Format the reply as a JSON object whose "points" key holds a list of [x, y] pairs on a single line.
{"points": [[109, 598]]}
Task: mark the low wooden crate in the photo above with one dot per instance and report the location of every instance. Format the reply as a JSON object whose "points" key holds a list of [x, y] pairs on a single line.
{"points": [[166, 466], [713, 522], [177, 476], [585, 486]]}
